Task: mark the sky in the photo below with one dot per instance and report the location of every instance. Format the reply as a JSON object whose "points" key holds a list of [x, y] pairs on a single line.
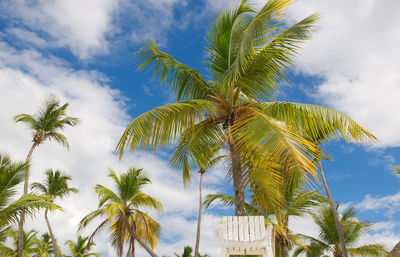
{"points": [[82, 51]]}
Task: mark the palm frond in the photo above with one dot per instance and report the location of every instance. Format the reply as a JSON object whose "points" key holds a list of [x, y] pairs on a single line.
{"points": [[162, 125]]}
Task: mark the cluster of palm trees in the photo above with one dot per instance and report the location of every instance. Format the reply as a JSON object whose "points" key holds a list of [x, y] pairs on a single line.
{"points": [[230, 115]]}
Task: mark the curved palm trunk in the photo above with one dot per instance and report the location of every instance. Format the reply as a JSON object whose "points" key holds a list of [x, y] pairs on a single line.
{"points": [[141, 242], [22, 219], [196, 248], [334, 211], [53, 239], [238, 185]]}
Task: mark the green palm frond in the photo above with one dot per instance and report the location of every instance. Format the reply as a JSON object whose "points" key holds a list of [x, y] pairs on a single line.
{"points": [[372, 250], [285, 145], [228, 201], [317, 122], [185, 82], [162, 125], [196, 147]]}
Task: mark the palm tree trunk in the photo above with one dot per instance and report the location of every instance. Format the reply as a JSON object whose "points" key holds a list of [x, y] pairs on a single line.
{"points": [[238, 185], [284, 250], [53, 239], [334, 211], [22, 219], [141, 242], [196, 248]]}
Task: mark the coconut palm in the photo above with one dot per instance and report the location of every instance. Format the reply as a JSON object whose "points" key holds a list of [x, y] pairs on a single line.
{"points": [[45, 247], [81, 248], [31, 244], [248, 56], [45, 125], [295, 200], [11, 209], [328, 239], [120, 208], [55, 186]]}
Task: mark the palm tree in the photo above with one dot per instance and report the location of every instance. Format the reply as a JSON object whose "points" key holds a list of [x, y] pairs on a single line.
{"points": [[45, 247], [187, 252], [291, 199], [45, 125], [31, 244], [55, 186], [248, 55], [11, 209], [81, 247], [328, 239], [120, 208]]}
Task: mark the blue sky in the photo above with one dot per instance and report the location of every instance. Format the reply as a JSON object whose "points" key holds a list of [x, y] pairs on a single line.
{"points": [[83, 51]]}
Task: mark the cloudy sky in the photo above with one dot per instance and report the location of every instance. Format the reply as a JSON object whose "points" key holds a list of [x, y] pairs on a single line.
{"points": [[83, 52]]}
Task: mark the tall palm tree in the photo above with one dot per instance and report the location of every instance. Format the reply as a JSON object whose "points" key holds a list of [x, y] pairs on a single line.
{"points": [[81, 247], [120, 208], [45, 125], [248, 56], [11, 209], [55, 186], [294, 200], [328, 240]]}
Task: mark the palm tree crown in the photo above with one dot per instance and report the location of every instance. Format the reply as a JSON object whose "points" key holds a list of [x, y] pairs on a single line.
{"points": [[55, 186], [126, 222], [81, 247], [328, 239], [48, 121], [248, 56]]}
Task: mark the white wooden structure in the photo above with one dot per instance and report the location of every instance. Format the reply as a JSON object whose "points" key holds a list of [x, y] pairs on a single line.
{"points": [[246, 235]]}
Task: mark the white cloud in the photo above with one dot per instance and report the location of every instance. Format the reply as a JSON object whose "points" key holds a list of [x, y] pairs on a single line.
{"points": [[354, 52], [390, 204], [80, 26], [26, 77]]}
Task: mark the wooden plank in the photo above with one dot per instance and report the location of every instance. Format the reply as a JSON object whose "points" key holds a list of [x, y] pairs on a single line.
{"points": [[246, 229], [252, 229], [230, 228], [257, 228], [262, 227], [235, 228], [225, 228], [241, 228]]}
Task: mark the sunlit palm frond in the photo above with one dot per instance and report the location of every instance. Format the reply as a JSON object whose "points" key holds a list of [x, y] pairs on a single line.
{"points": [[286, 147], [317, 122], [162, 125], [372, 250]]}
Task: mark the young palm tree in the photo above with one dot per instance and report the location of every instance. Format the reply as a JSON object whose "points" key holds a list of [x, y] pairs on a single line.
{"points": [[81, 247], [187, 252], [120, 208], [45, 247], [45, 125], [295, 200], [248, 55], [328, 239], [11, 209], [55, 186]]}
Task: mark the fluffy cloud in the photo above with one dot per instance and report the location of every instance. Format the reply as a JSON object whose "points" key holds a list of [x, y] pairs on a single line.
{"points": [[353, 52], [26, 77], [80, 26]]}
